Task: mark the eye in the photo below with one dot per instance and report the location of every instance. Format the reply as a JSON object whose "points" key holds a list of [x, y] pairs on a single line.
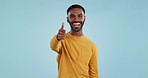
{"points": [[80, 15], [72, 16]]}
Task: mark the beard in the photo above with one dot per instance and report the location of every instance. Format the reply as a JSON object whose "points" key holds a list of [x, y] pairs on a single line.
{"points": [[76, 26]]}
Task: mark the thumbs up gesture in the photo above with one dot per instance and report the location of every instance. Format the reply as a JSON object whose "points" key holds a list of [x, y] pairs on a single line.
{"points": [[61, 33]]}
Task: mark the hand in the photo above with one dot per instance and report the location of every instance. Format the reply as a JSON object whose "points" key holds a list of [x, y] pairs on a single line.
{"points": [[61, 33]]}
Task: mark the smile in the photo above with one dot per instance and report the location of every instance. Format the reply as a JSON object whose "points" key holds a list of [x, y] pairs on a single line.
{"points": [[76, 24]]}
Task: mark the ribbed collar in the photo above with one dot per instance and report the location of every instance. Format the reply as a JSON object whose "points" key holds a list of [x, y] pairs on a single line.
{"points": [[75, 37]]}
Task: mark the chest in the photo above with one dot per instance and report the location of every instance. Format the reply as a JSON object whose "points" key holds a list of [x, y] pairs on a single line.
{"points": [[78, 51]]}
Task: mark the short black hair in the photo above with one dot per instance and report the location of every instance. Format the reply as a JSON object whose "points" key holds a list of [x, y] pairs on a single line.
{"points": [[75, 6]]}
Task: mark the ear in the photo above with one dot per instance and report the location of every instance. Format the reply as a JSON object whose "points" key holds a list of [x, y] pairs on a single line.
{"points": [[84, 18], [67, 20]]}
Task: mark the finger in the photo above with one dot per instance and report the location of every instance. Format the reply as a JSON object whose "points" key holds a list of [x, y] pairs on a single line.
{"points": [[62, 25], [62, 31], [59, 36]]}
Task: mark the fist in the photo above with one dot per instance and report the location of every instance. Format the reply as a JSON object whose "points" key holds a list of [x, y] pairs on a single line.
{"points": [[61, 33]]}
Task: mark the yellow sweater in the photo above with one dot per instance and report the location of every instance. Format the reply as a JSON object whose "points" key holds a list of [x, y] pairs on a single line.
{"points": [[77, 57]]}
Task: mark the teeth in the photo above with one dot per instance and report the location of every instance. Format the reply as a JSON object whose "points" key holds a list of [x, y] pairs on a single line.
{"points": [[76, 23]]}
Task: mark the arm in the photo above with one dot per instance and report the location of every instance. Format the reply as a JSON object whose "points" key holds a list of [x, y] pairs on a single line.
{"points": [[55, 44], [93, 64]]}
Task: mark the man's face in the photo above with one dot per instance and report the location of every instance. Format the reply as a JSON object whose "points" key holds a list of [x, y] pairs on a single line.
{"points": [[76, 19]]}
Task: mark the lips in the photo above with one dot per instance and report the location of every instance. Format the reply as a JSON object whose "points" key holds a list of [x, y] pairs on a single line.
{"points": [[76, 24]]}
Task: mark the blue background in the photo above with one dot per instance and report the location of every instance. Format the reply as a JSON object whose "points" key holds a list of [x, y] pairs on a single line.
{"points": [[118, 27]]}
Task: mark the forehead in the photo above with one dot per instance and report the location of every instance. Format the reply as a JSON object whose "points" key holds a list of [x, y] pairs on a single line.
{"points": [[76, 11]]}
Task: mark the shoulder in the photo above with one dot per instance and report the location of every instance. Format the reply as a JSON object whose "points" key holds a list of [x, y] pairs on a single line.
{"points": [[91, 45], [90, 42]]}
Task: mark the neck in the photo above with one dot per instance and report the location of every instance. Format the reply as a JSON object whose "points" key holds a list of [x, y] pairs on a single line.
{"points": [[79, 33]]}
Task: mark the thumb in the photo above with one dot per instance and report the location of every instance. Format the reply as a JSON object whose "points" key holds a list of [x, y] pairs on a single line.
{"points": [[62, 27]]}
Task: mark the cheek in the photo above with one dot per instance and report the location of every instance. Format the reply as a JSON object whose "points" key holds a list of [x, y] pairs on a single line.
{"points": [[83, 19], [70, 20]]}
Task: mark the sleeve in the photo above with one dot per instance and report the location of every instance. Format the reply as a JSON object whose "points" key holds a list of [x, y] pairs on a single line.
{"points": [[55, 45], [93, 64]]}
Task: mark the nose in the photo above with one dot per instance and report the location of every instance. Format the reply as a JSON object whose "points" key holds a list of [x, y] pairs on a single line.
{"points": [[76, 18]]}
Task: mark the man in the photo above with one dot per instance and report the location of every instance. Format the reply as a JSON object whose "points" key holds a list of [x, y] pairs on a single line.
{"points": [[77, 55]]}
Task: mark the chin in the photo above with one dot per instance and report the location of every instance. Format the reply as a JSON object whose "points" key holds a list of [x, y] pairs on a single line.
{"points": [[76, 30]]}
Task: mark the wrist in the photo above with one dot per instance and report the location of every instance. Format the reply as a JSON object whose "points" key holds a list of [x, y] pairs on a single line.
{"points": [[57, 37]]}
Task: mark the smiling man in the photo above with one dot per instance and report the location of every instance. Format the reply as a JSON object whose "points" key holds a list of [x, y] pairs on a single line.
{"points": [[77, 55]]}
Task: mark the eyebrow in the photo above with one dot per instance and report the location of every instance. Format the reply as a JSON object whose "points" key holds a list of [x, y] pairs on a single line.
{"points": [[73, 14]]}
